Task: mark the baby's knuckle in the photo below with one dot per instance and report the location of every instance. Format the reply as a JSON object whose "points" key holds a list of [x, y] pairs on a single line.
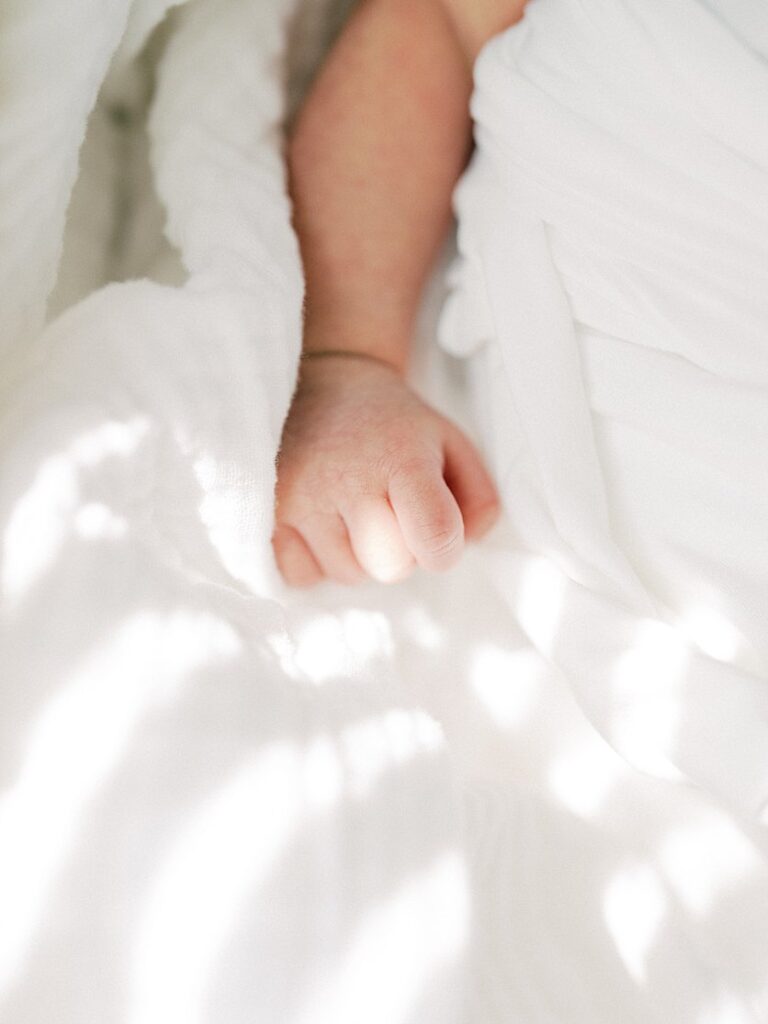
{"points": [[441, 540], [410, 466]]}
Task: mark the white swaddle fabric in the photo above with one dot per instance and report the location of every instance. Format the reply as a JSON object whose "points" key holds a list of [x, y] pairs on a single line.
{"points": [[212, 807], [613, 228], [223, 803]]}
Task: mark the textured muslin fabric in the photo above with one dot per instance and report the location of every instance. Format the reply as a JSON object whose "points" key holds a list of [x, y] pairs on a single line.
{"points": [[214, 806], [613, 232], [529, 790]]}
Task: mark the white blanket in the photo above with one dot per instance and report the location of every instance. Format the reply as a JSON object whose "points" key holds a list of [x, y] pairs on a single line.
{"points": [[616, 218], [529, 791]]}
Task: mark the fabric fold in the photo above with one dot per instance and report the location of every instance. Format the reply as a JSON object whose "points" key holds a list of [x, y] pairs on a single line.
{"points": [[615, 212]]}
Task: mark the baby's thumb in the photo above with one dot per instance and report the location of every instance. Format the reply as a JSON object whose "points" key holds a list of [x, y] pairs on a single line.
{"points": [[471, 484]]}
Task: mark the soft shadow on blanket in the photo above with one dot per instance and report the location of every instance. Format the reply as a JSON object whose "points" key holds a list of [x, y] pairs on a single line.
{"points": [[222, 802], [231, 804]]}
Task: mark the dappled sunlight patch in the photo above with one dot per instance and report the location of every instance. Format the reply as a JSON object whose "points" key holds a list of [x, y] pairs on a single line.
{"points": [[540, 601], [397, 948], [582, 777], [331, 645], [41, 518], [96, 521], [111, 438], [37, 526], [704, 860], [507, 683], [368, 633], [236, 838], [729, 1008], [196, 899], [647, 699], [75, 743], [712, 633], [236, 537], [424, 628], [634, 907], [319, 652]]}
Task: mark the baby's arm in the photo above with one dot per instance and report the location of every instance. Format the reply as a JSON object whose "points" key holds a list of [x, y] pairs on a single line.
{"points": [[378, 147], [370, 479]]}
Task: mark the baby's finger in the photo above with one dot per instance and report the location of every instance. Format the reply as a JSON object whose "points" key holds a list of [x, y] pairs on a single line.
{"points": [[427, 513], [377, 540], [471, 485], [328, 538], [295, 561]]}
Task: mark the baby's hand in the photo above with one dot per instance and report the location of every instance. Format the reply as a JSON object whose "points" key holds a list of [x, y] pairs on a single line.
{"points": [[371, 480]]}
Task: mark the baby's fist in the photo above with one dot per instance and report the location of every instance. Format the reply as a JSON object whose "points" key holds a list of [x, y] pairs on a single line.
{"points": [[372, 481]]}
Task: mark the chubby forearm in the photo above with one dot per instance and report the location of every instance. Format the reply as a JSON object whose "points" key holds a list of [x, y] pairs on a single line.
{"points": [[375, 154]]}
